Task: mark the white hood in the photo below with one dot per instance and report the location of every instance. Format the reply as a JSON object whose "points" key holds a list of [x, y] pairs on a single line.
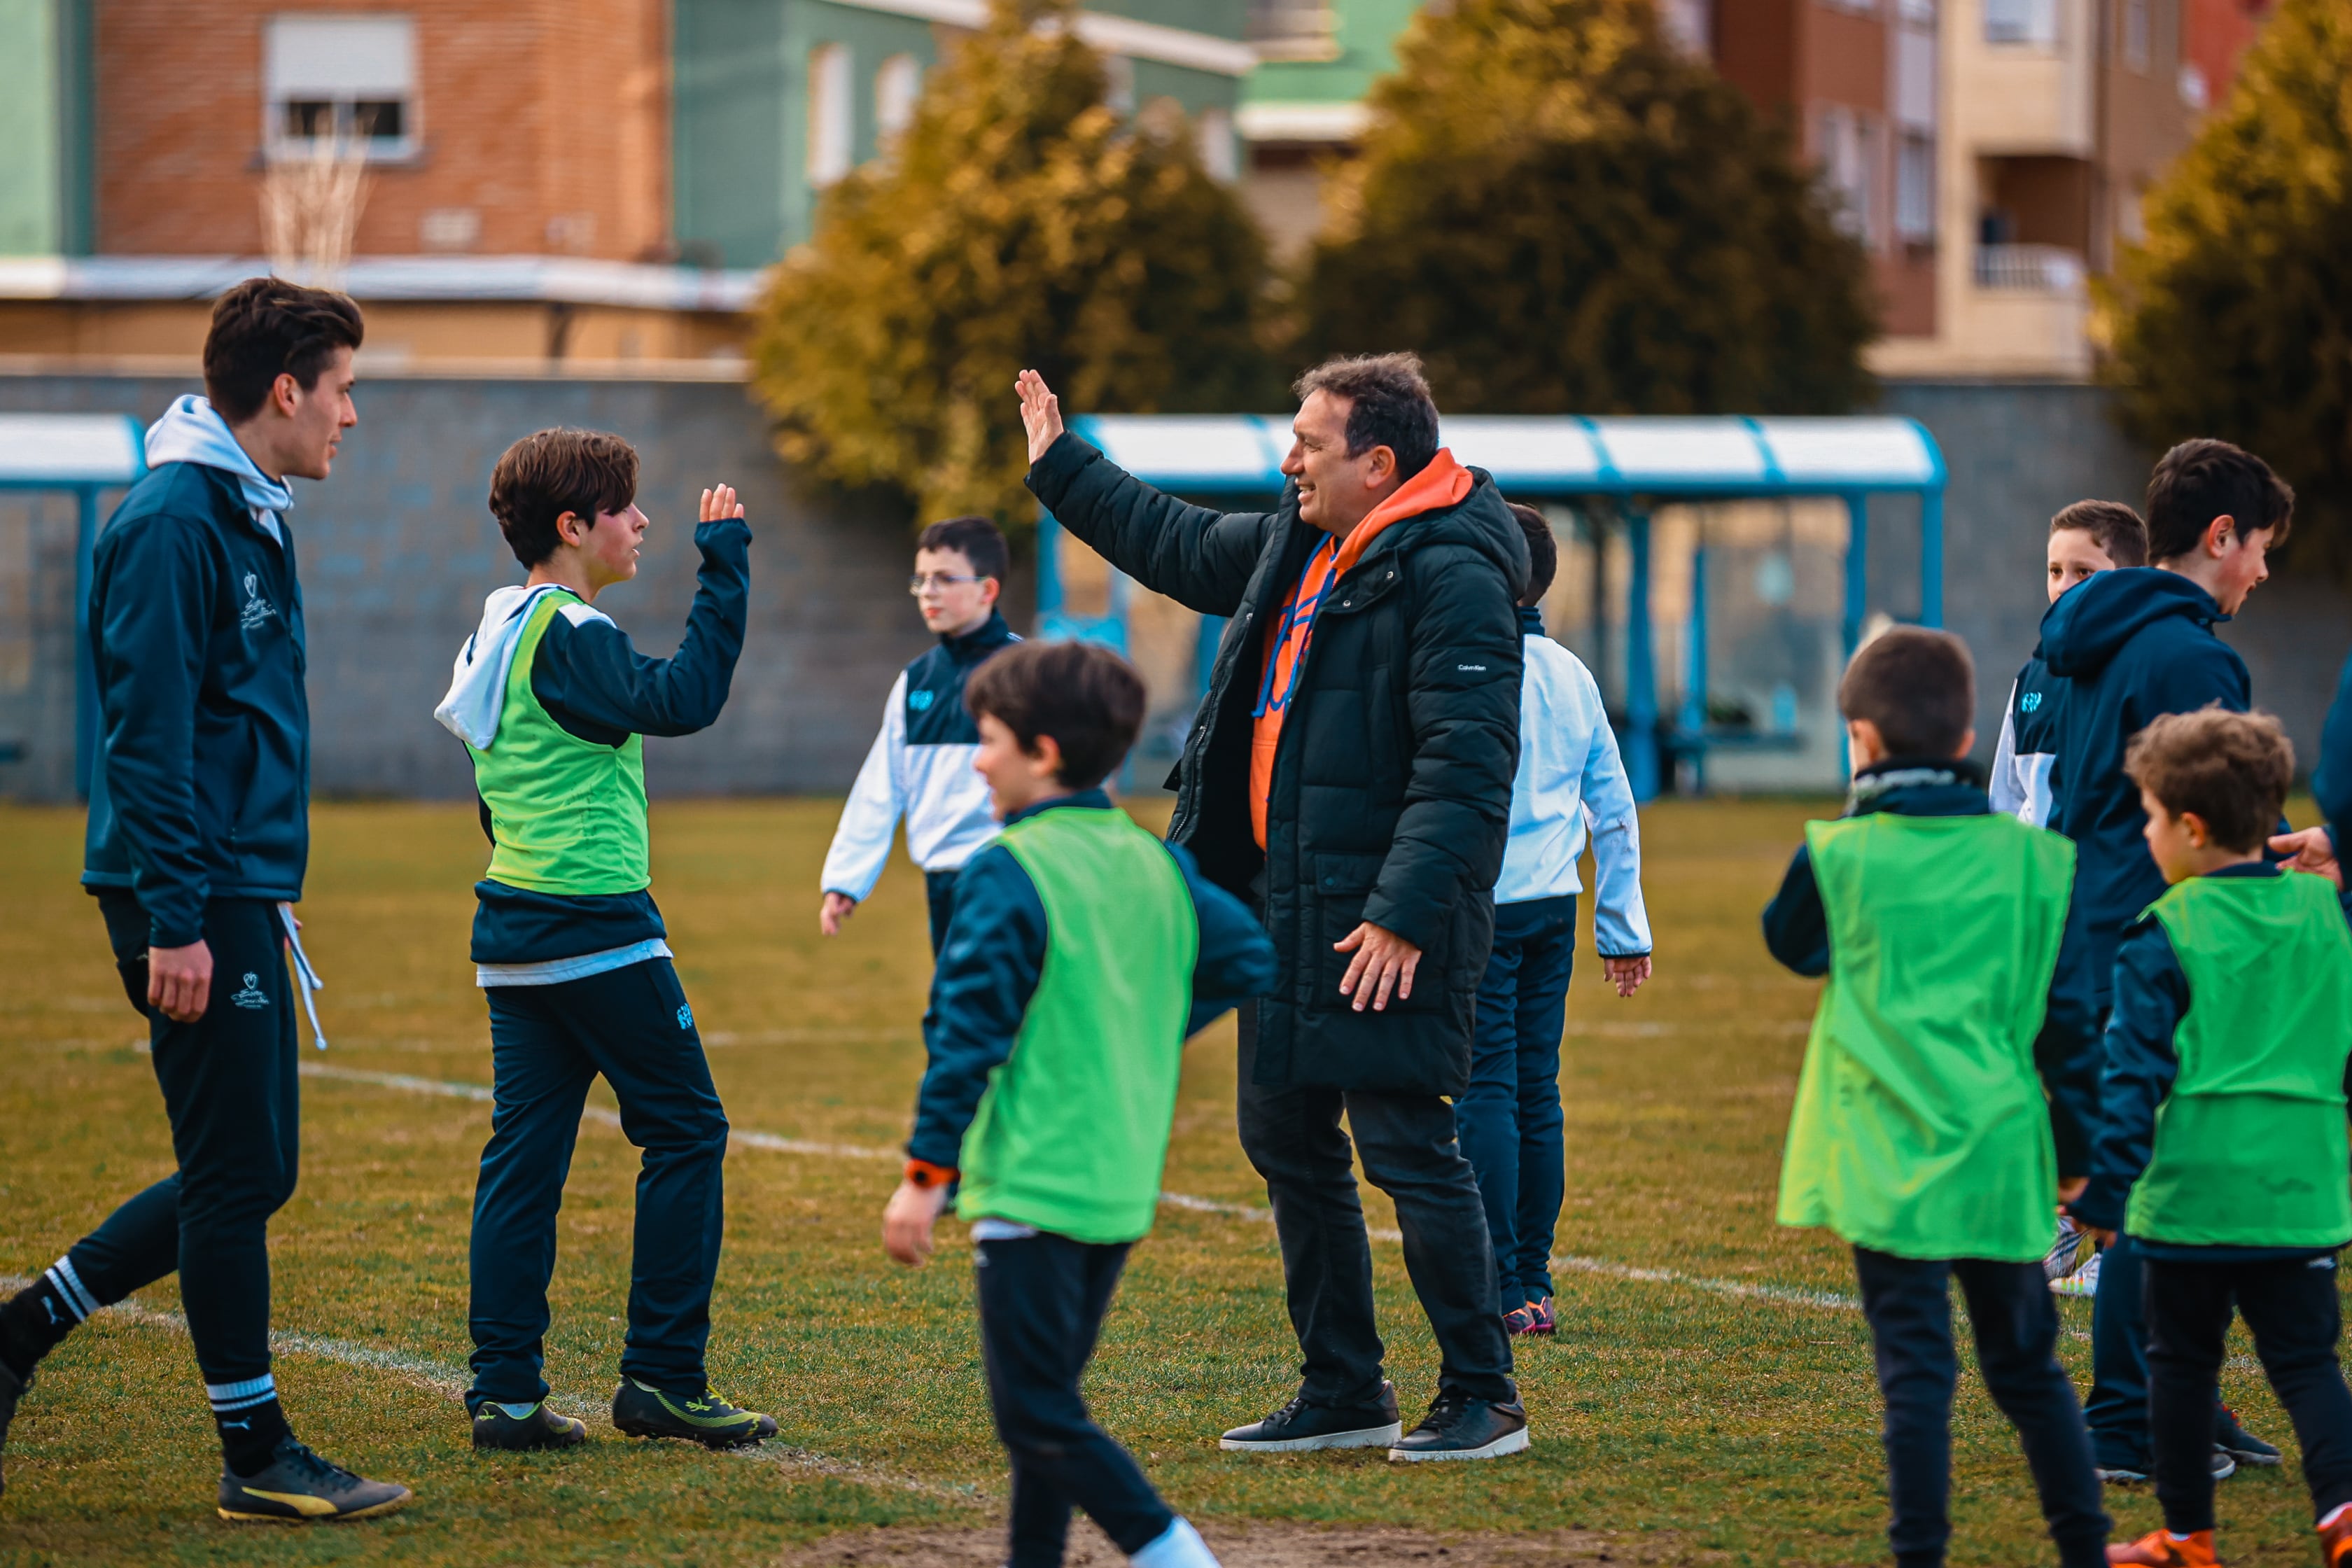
{"points": [[477, 682]]}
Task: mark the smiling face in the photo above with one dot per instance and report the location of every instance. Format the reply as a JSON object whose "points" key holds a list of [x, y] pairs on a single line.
{"points": [[1336, 491], [1017, 778], [2075, 555]]}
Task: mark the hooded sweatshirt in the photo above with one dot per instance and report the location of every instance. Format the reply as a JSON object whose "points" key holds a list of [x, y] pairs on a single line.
{"points": [[2134, 643], [192, 431]]}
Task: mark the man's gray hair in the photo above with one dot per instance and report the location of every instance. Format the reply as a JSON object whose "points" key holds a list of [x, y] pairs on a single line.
{"points": [[1390, 406]]}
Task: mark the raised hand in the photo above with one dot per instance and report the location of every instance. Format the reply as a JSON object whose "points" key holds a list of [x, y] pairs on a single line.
{"points": [[719, 502], [1041, 412]]}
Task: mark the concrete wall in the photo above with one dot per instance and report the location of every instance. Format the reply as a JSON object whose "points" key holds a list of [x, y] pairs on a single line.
{"points": [[398, 551], [2018, 452]]}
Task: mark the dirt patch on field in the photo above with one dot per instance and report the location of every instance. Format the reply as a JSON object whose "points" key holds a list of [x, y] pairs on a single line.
{"points": [[1261, 1546]]}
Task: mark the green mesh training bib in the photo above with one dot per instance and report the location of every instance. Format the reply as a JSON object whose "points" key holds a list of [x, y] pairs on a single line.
{"points": [[1072, 1132], [1920, 1128], [2249, 1144], [567, 815]]}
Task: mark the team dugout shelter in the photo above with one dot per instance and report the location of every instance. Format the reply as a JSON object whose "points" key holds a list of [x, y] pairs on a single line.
{"points": [[1613, 473]]}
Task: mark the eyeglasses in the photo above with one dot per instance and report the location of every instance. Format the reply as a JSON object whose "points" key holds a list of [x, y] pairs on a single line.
{"points": [[942, 581]]}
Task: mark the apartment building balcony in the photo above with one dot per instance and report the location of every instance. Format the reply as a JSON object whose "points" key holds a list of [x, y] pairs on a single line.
{"points": [[2029, 270], [2024, 81], [1286, 30]]}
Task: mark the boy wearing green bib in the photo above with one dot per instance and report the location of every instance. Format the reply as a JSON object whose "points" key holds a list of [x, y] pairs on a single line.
{"points": [[1921, 1134], [1080, 953], [2222, 1151], [553, 704]]}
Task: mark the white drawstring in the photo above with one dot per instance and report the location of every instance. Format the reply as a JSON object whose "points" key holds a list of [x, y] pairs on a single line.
{"points": [[304, 972]]}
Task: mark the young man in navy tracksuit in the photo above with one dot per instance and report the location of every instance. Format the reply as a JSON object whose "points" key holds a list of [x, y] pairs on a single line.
{"points": [[2136, 643], [198, 840], [920, 765], [1571, 782]]}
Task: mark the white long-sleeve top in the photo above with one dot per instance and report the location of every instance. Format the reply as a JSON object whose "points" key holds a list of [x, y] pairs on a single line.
{"points": [[1571, 783], [919, 768]]}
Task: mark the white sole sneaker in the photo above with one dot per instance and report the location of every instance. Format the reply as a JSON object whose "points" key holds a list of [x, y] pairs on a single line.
{"points": [[1363, 1437], [1508, 1443]]}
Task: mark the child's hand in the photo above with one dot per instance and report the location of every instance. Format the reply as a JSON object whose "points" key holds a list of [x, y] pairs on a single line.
{"points": [[907, 1223], [836, 908], [1626, 973], [720, 503]]}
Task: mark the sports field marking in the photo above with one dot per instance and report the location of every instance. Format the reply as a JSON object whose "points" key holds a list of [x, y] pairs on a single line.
{"points": [[442, 1378]]}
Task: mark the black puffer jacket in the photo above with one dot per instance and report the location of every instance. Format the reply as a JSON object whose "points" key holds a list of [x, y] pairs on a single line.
{"points": [[1391, 798]]}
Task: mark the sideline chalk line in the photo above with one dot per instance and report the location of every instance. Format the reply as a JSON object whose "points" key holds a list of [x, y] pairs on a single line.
{"points": [[442, 1378], [1779, 1295]]}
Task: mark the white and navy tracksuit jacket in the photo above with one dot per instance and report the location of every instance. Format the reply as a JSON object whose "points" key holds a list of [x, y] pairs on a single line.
{"points": [[920, 768], [2022, 763]]}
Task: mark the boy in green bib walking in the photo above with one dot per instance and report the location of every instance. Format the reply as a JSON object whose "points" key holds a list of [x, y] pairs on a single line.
{"points": [[2222, 1151], [1080, 953], [1921, 1133], [554, 704]]}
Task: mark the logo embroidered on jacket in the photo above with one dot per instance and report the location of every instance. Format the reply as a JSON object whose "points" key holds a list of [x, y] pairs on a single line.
{"points": [[685, 1016], [252, 996], [919, 700], [257, 608], [1471, 669], [2028, 703]]}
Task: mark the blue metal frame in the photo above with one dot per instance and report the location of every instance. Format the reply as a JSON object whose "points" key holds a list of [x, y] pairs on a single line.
{"points": [[1635, 493]]}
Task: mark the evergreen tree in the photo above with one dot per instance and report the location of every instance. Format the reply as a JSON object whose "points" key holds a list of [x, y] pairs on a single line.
{"points": [[1562, 214], [1017, 221], [2233, 318]]}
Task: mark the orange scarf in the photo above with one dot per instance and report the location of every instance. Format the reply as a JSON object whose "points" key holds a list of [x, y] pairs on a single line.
{"points": [[1443, 483]]}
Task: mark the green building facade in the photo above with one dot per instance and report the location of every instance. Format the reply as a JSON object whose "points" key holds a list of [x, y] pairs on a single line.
{"points": [[773, 99], [44, 133]]}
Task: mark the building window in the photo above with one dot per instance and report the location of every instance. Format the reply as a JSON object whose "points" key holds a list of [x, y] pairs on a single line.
{"points": [[1848, 154], [1213, 131], [897, 86], [1914, 190], [1922, 12], [1690, 26], [348, 77], [832, 109], [2032, 22], [2136, 30]]}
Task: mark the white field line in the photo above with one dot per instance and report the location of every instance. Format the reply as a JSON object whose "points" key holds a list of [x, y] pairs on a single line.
{"points": [[442, 1378]]}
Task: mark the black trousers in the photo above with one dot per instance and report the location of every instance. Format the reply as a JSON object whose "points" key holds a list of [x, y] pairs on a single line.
{"points": [[548, 1043], [1908, 1304], [2292, 1313], [231, 1091], [1041, 1301], [939, 891], [1292, 1136]]}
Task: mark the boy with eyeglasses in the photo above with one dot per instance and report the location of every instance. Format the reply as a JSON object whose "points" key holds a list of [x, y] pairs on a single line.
{"points": [[920, 764]]}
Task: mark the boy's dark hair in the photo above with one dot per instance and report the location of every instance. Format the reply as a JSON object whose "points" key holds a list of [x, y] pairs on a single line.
{"points": [[2231, 769], [265, 328], [1543, 551], [1393, 407], [2113, 527], [1919, 687], [1085, 696], [976, 539], [2199, 481], [541, 477]]}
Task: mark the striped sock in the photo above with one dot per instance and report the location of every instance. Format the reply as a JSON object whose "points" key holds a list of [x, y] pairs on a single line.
{"points": [[33, 1320], [250, 1422]]}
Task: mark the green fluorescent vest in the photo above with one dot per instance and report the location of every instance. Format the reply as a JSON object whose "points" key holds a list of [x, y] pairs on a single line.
{"points": [[1072, 1132], [568, 814], [2249, 1144], [1920, 1128]]}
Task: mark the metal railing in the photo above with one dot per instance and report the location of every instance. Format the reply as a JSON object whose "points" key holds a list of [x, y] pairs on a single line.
{"points": [[2030, 269]]}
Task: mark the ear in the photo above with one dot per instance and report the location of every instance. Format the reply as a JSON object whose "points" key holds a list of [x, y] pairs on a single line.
{"points": [[285, 393], [988, 588], [2218, 535], [2199, 835], [573, 529], [1380, 466], [1045, 756]]}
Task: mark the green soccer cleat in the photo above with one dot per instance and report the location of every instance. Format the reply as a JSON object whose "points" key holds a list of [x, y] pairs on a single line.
{"points": [[299, 1488], [643, 1411], [521, 1428]]}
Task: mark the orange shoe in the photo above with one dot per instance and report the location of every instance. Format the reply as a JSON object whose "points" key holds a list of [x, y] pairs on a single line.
{"points": [[2336, 1540], [2157, 1549]]}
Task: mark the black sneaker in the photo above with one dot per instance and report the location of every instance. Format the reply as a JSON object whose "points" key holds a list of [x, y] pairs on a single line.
{"points": [[1299, 1426], [1459, 1427], [519, 1429], [2224, 1467], [299, 1488], [643, 1411], [12, 1389], [2228, 1436]]}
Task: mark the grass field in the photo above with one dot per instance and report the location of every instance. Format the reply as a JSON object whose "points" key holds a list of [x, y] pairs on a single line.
{"points": [[1709, 1398]]}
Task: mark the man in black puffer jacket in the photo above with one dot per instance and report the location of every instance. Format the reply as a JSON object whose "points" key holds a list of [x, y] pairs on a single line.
{"points": [[1350, 773]]}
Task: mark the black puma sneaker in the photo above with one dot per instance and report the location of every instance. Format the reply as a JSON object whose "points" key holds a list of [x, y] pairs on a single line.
{"points": [[12, 1389], [643, 1411], [1301, 1425], [519, 1429], [2228, 1436], [299, 1488], [1459, 1427]]}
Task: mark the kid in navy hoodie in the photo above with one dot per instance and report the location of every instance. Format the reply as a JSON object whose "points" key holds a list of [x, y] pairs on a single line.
{"points": [[2138, 643]]}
